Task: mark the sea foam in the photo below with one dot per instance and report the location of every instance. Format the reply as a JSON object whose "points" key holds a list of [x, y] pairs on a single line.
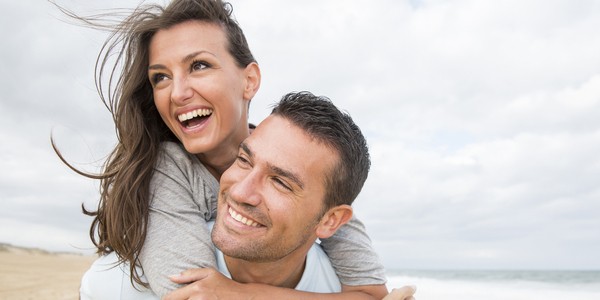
{"points": [[440, 286]]}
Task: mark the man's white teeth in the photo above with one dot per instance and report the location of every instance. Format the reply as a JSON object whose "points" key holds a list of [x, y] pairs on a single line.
{"points": [[202, 112], [241, 218]]}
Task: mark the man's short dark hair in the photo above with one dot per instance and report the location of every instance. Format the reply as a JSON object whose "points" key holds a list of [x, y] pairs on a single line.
{"points": [[323, 121]]}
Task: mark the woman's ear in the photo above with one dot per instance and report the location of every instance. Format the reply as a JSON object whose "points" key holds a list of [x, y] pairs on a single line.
{"points": [[251, 80], [333, 219]]}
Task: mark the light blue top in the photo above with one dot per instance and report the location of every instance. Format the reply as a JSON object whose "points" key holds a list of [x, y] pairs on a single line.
{"points": [[319, 276]]}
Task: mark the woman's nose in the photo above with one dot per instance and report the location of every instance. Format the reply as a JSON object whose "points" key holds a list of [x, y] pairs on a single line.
{"points": [[182, 91]]}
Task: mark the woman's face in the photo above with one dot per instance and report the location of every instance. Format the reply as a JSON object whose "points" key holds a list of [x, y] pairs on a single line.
{"points": [[199, 90]]}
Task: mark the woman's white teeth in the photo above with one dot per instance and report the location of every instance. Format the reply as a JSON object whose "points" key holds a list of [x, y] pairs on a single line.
{"points": [[241, 218], [202, 112]]}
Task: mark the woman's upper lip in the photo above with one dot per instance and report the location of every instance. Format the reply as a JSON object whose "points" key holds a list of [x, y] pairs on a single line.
{"points": [[203, 112], [190, 109]]}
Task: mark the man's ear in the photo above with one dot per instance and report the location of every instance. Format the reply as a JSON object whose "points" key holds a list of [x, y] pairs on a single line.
{"points": [[252, 80], [333, 219]]}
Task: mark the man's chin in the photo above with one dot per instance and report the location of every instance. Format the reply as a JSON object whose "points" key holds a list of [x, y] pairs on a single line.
{"points": [[224, 240]]}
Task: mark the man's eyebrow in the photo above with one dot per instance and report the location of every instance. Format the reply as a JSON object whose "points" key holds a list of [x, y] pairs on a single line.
{"points": [[246, 149], [277, 170], [287, 174]]}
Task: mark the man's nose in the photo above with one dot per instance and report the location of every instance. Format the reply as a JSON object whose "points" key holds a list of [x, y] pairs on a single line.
{"points": [[182, 92], [248, 189]]}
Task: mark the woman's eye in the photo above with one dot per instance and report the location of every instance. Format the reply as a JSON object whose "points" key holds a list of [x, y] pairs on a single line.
{"points": [[157, 78], [199, 65]]}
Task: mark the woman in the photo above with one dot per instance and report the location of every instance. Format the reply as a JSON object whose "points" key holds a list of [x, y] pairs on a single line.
{"points": [[180, 106]]}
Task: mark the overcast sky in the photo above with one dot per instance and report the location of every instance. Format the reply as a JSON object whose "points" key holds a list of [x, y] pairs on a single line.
{"points": [[483, 119]]}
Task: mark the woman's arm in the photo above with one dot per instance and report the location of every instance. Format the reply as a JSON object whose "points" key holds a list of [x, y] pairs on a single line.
{"points": [[209, 282], [183, 198], [354, 259]]}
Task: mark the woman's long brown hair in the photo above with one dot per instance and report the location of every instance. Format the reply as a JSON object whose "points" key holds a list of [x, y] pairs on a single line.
{"points": [[120, 220]]}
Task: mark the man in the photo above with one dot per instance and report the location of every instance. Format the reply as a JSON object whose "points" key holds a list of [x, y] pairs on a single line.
{"points": [[293, 182]]}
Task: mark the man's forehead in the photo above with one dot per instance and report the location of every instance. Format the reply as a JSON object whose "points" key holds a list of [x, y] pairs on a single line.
{"points": [[288, 147], [276, 139]]}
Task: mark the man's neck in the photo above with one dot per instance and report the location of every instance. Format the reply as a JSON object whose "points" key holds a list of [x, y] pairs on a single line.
{"points": [[285, 272]]}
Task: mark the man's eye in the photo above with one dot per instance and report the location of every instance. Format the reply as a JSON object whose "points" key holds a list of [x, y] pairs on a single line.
{"points": [[242, 160], [282, 183]]}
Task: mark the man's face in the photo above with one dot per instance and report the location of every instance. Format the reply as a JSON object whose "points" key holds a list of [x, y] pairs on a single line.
{"points": [[272, 197]]}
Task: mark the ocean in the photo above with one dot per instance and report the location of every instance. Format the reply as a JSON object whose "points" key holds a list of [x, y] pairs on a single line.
{"points": [[499, 284]]}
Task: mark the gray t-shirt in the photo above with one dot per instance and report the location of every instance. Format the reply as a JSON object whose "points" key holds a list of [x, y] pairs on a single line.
{"points": [[184, 197]]}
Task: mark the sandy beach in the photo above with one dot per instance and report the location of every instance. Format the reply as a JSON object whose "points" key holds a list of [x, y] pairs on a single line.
{"points": [[37, 274]]}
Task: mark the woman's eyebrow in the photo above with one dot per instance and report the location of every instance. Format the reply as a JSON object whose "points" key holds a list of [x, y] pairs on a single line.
{"points": [[191, 56], [186, 59], [156, 67]]}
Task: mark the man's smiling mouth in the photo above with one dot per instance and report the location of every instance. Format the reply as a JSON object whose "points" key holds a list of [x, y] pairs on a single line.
{"points": [[242, 219]]}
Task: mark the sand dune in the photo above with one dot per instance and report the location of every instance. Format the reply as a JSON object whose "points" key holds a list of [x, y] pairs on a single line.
{"points": [[37, 274]]}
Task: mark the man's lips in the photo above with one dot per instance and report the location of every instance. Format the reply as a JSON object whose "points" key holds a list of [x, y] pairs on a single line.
{"points": [[244, 220]]}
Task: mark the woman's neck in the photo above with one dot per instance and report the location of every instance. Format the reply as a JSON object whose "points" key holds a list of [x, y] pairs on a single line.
{"points": [[221, 158]]}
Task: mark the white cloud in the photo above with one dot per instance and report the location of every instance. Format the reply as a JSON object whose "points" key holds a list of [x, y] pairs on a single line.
{"points": [[531, 170]]}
